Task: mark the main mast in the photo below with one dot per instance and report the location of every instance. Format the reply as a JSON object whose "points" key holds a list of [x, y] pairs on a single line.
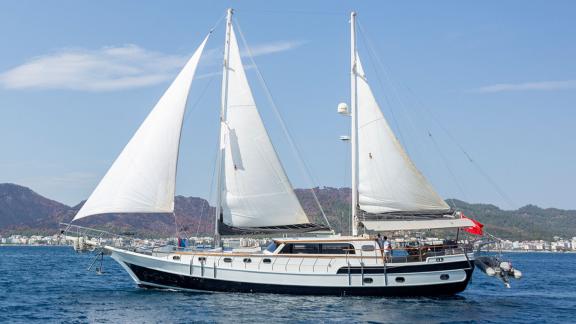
{"points": [[354, 137], [221, 149]]}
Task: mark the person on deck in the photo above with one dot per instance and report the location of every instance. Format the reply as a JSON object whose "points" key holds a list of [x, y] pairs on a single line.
{"points": [[380, 242], [387, 249]]}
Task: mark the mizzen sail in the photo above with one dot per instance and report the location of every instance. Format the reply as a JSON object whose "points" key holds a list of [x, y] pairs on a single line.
{"points": [[388, 181], [143, 177]]}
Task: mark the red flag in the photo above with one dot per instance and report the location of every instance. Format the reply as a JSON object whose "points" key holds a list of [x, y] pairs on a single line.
{"points": [[477, 229]]}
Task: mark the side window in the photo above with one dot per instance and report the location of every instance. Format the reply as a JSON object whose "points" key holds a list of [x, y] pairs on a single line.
{"points": [[305, 248], [337, 248], [300, 248]]}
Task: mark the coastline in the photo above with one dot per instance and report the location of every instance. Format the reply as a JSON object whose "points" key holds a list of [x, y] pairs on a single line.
{"points": [[494, 250]]}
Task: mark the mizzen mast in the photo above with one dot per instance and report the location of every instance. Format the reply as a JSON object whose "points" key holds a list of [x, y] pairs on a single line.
{"points": [[354, 132]]}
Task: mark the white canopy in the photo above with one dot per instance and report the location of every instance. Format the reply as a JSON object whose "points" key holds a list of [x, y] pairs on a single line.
{"points": [[417, 224], [388, 180], [256, 191], [143, 177]]}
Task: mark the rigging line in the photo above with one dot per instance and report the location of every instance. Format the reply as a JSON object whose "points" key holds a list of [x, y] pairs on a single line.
{"points": [[217, 24], [211, 186], [176, 225], [297, 12], [486, 176], [186, 117], [421, 106], [293, 146], [200, 97], [449, 169], [187, 114]]}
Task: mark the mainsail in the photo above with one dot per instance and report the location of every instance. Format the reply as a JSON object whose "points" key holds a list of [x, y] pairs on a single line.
{"points": [[388, 180], [255, 189], [143, 177]]}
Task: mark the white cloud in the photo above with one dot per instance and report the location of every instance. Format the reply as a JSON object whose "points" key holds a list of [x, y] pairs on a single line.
{"points": [[110, 68], [528, 86], [271, 48]]}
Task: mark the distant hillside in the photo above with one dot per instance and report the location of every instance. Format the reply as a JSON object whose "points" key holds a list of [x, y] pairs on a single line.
{"points": [[21, 207], [528, 222], [24, 211]]}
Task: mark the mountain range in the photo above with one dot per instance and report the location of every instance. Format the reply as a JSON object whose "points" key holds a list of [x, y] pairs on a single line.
{"points": [[26, 212]]}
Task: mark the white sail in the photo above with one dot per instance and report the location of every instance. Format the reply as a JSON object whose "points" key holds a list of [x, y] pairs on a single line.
{"points": [[256, 191], [388, 179], [143, 177]]}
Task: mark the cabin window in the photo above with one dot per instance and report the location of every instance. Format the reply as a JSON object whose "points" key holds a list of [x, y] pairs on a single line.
{"points": [[227, 260], [368, 280], [444, 276], [301, 248], [247, 260], [400, 279], [267, 260], [337, 248], [202, 259], [313, 248], [176, 257]]}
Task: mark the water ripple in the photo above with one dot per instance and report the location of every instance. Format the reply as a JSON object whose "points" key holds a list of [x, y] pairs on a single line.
{"points": [[50, 284]]}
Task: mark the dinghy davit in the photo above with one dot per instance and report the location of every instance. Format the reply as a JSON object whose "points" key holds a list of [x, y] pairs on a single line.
{"points": [[495, 266]]}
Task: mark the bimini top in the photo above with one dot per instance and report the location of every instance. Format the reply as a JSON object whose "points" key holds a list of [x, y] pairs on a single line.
{"points": [[409, 225]]}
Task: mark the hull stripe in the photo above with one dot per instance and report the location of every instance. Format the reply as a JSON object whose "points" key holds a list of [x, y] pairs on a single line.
{"points": [[154, 279], [408, 269]]}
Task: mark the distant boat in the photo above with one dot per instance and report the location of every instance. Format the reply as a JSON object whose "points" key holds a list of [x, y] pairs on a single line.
{"points": [[255, 196]]}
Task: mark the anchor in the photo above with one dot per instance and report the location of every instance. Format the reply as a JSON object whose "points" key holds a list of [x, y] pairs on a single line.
{"points": [[99, 257]]}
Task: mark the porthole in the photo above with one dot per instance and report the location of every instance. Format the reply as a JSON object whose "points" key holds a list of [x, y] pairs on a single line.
{"points": [[202, 259], [227, 260], [400, 279], [368, 280], [176, 257], [247, 260], [444, 276], [267, 260]]}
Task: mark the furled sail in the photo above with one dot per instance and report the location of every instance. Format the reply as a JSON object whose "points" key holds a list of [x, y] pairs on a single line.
{"points": [[143, 177], [388, 181], [256, 191]]}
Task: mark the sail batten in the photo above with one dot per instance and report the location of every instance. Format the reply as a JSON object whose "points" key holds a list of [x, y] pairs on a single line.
{"points": [[142, 179], [388, 179], [256, 191]]}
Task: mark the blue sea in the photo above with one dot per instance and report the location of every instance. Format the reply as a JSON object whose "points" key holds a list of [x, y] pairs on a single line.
{"points": [[51, 285]]}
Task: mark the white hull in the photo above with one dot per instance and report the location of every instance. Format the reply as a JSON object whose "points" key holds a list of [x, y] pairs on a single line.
{"points": [[299, 274]]}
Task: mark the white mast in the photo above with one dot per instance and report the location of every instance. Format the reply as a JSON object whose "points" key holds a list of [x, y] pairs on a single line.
{"points": [[354, 137], [222, 121]]}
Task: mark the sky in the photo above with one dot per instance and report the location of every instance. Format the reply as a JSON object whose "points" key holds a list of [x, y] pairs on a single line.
{"points": [[493, 82]]}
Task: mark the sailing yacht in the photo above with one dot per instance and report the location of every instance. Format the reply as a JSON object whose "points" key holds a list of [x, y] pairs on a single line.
{"points": [[254, 195]]}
